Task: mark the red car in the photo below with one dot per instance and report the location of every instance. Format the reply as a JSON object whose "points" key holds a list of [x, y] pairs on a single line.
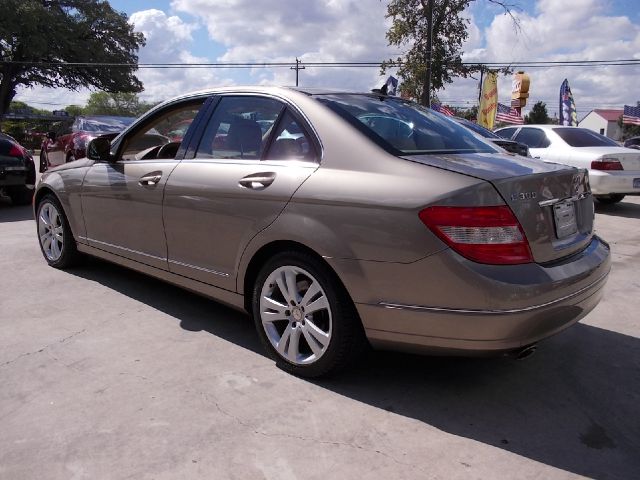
{"points": [[17, 171], [69, 141]]}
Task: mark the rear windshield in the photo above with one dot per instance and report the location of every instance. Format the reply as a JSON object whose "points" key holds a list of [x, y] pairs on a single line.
{"points": [[402, 127], [581, 137]]}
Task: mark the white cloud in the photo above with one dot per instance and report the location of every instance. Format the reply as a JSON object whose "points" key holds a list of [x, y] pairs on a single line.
{"points": [[325, 30], [351, 30]]}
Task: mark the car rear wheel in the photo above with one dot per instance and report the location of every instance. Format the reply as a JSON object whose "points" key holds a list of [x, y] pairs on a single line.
{"points": [[54, 235], [610, 199], [304, 317], [20, 195]]}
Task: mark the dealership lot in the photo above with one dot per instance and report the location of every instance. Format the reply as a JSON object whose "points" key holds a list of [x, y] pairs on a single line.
{"points": [[105, 373]]}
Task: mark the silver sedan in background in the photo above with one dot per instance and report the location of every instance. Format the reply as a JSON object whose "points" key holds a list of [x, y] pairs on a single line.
{"points": [[336, 220]]}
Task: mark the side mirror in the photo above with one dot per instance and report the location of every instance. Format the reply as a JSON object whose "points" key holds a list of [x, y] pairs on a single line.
{"points": [[51, 135], [99, 149]]}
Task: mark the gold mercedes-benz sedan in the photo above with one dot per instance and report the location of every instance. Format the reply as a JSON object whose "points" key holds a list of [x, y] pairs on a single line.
{"points": [[336, 220]]}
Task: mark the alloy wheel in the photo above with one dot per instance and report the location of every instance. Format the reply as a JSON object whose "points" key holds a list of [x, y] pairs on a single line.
{"points": [[296, 315], [51, 231]]}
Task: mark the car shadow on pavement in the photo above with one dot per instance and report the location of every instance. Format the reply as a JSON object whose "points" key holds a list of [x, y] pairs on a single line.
{"points": [[622, 209], [194, 312], [574, 405], [14, 213]]}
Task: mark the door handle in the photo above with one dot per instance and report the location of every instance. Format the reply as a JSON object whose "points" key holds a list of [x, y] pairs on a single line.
{"points": [[257, 181], [150, 178]]}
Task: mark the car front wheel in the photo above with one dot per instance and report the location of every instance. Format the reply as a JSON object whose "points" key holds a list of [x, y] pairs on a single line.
{"points": [[55, 237], [304, 316]]}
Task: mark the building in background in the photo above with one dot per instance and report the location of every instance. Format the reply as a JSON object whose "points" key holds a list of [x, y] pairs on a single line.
{"points": [[604, 122]]}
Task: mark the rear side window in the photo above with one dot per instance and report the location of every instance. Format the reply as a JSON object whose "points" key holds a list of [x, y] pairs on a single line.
{"points": [[239, 128], [403, 127], [290, 141], [581, 137], [506, 132], [533, 138]]}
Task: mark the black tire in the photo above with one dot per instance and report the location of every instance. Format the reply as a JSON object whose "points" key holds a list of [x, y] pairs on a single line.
{"points": [[610, 199], [69, 255], [346, 339], [20, 195]]}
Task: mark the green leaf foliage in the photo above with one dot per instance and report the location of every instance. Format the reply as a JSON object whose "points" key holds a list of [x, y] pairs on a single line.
{"points": [[538, 114], [43, 41]]}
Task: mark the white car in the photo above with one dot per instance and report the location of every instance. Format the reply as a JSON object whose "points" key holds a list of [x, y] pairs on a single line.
{"points": [[614, 171]]}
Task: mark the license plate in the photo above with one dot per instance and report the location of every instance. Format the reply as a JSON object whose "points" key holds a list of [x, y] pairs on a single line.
{"points": [[636, 183], [564, 216]]}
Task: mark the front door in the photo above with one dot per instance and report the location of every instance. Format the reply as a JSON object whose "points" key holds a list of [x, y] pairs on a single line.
{"points": [[122, 200], [253, 156]]}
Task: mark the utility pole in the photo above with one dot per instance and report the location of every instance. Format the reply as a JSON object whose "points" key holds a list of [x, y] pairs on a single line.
{"points": [[426, 94], [297, 68]]}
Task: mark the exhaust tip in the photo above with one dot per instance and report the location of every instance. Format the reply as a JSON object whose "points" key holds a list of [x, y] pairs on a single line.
{"points": [[525, 352]]}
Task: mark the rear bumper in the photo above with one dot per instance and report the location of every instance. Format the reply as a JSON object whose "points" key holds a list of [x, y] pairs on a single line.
{"points": [[604, 183], [467, 308]]}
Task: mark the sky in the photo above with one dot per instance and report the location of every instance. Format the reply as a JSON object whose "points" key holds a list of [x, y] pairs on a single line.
{"points": [[205, 31]]}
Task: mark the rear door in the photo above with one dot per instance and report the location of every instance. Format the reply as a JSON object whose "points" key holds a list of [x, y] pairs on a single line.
{"points": [[122, 200], [253, 155]]}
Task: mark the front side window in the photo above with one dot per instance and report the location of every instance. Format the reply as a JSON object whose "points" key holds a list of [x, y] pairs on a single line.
{"points": [[161, 137], [507, 132], [239, 128], [403, 127], [582, 137]]}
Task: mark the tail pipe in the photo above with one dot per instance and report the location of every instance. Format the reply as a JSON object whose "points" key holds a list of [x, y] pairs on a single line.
{"points": [[524, 352]]}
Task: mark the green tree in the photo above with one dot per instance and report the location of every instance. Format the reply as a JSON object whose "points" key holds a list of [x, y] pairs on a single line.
{"points": [[538, 114], [409, 28], [125, 104], [74, 110], [58, 43]]}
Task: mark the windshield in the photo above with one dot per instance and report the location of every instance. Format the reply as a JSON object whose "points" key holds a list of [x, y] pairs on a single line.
{"points": [[403, 127], [104, 124], [480, 130], [581, 137]]}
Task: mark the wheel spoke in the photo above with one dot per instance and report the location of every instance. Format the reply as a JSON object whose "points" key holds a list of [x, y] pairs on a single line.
{"points": [[294, 350], [283, 343], [44, 217], [55, 248], [46, 244], [319, 304], [318, 334], [313, 290]]}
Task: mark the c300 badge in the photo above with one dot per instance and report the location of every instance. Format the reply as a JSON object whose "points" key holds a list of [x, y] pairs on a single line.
{"points": [[523, 196]]}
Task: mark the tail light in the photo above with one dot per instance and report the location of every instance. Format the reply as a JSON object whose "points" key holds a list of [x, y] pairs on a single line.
{"points": [[489, 235], [606, 164], [16, 151]]}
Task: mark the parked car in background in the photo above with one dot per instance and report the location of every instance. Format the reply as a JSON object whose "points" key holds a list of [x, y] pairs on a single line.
{"points": [[354, 217], [614, 171], [69, 141], [17, 171], [633, 142], [509, 145]]}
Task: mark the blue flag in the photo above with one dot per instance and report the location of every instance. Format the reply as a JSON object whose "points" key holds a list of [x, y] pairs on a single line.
{"points": [[568, 113]]}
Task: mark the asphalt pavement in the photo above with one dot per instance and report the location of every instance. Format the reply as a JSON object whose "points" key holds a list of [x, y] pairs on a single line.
{"points": [[106, 373]]}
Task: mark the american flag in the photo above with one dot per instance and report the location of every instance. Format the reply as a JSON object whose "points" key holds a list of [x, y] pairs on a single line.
{"points": [[631, 115], [442, 109], [508, 115]]}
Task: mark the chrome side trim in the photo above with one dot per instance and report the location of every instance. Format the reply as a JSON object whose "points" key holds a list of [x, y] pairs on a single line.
{"points": [[399, 306], [124, 249], [553, 201], [202, 269]]}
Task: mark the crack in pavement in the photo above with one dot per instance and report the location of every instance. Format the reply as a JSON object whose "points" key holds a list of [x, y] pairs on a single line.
{"points": [[43, 348], [306, 439]]}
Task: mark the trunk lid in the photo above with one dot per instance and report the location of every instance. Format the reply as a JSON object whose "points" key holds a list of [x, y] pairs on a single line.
{"points": [[628, 157], [552, 202]]}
